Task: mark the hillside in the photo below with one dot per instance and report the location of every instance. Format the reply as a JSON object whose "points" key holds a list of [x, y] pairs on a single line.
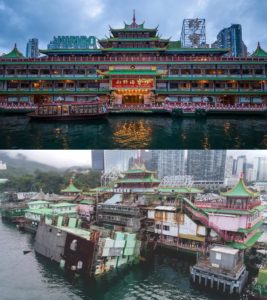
{"points": [[20, 165]]}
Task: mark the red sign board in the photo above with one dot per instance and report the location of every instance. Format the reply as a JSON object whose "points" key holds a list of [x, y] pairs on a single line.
{"points": [[145, 83]]}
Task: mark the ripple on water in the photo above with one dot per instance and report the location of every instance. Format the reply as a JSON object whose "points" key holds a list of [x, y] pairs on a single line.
{"points": [[154, 132]]}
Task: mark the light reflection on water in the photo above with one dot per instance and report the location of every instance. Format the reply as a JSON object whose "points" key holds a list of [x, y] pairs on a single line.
{"points": [[135, 132]]}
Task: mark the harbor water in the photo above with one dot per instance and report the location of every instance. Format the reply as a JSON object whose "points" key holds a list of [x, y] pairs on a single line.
{"points": [[135, 132], [32, 276]]}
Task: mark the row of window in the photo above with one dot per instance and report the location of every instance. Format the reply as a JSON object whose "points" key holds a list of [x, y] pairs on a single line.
{"points": [[164, 227]]}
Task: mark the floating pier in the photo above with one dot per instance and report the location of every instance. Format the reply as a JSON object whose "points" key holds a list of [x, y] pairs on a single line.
{"points": [[224, 270]]}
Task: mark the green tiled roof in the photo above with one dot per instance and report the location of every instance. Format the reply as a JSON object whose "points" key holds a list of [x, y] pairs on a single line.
{"points": [[14, 53], [257, 225], [247, 244], [70, 51], [235, 211], [87, 202], [240, 190], [41, 211], [71, 189], [227, 211], [138, 171], [197, 50], [133, 72], [138, 180], [181, 190], [38, 202], [76, 231], [127, 39], [133, 49], [259, 52], [129, 27], [63, 204], [174, 45]]}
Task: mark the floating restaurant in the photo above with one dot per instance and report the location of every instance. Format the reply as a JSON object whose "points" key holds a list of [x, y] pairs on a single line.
{"points": [[134, 69]]}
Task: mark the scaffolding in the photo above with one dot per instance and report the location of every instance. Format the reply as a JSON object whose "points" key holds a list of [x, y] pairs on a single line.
{"points": [[176, 181], [193, 33], [109, 177]]}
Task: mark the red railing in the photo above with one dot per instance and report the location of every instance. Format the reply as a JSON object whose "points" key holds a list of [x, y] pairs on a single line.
{"points": [[203, 204], [130, 59]]}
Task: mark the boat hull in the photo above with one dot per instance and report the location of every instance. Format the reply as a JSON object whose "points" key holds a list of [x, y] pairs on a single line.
{"points": [[82, 117], [14, 111]]}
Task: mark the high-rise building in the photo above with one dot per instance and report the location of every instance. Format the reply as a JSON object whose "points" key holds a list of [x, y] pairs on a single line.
{"points": [[249, 172], [229, 164], [259, 169], [171, 162], [97, 160], [206, 165], [118, 160], [240, 167], [231, 38], [32, 48], [150, 159], [73, 42]]}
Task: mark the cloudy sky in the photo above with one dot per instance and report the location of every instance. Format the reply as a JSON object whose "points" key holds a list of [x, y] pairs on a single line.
{"points": [[24, 19], [69, 158], [57, 158]]}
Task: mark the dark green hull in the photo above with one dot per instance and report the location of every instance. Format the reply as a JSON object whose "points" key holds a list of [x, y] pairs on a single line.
{"points": [[13, 215], [14, 111]]}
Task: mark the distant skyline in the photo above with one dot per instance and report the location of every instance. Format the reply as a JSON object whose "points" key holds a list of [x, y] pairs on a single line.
{"points": [[69, 158], [21, 20]]}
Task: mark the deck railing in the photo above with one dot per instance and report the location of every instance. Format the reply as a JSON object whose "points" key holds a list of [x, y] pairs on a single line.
{"points": [[131, 59], [204, 204]]}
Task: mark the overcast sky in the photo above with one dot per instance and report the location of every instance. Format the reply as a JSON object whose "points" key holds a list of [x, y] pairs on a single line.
{"points": [[57, 158], [68, 158], [24, 19]]}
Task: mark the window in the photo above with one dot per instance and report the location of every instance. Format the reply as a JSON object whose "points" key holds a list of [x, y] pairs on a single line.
{"points": [[157, 226], [73, 245], [166, 228], [218, 256]]}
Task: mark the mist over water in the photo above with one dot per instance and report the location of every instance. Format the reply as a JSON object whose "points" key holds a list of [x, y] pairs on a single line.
{"points": [[135, 132]]}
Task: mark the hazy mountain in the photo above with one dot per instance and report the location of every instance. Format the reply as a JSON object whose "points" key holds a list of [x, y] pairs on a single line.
{"points": [[20, 165]]}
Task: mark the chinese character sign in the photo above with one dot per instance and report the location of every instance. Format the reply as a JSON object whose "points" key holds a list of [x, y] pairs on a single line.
{"points": [[147, 83]]}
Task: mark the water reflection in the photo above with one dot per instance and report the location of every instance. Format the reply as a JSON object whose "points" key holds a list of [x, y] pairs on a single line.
{"points": [[135, 133], [154, 132]]}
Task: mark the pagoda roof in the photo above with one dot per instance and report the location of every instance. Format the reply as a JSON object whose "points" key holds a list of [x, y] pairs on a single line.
{"points": [[248, 244], [174, 50], [133, 49], [127, 39], [149, 179], [87, 202], [14, 53], [259, 52], [234, 211], [240, 190], [174, 45], [63, 204], [70, 51], [133, 26], [71, 188], [138, 169], [130, 27], [132, 72]]}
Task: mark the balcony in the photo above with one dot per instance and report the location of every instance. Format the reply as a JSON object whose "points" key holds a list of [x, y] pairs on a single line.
{"points": [[206, 204], [119, 210]]}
